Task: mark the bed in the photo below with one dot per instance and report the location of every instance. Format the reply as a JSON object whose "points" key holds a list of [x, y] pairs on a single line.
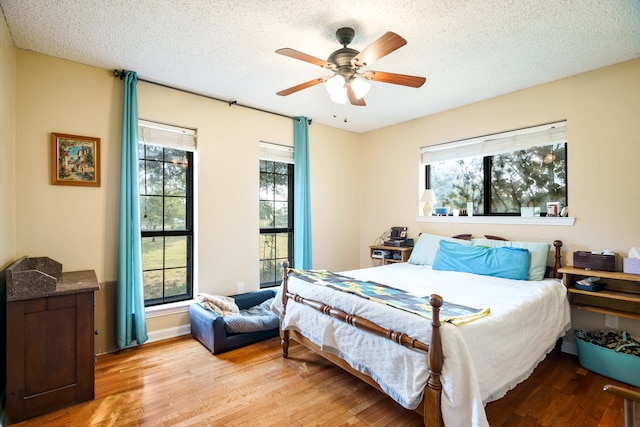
{"points": [[478, 337]]}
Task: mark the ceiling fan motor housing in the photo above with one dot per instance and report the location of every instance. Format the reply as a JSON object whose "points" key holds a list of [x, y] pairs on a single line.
{"points": [[345, 35], [342, 57]]}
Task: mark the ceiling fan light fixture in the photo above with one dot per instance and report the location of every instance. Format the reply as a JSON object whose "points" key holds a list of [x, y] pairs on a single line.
{"points": [[360, 87], [335, 86], [339, 97]]}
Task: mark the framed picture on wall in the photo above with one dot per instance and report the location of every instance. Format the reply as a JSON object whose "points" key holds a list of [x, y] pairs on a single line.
{"points": [[75, 160]]}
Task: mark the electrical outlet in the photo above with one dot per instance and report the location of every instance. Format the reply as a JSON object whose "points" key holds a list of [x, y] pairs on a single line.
{"points": [[240, 287], [611, 321]]}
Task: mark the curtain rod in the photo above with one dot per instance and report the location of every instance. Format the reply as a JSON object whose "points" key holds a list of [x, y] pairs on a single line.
{"points": [[120, 74]]}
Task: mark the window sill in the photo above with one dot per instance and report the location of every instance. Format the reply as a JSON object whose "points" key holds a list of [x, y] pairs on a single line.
{"points": [[503, 220], [168, 309]]}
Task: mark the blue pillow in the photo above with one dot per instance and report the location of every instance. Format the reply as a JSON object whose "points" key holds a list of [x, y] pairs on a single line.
{"points": [[505, 261], [428, 244], [538, 253]]}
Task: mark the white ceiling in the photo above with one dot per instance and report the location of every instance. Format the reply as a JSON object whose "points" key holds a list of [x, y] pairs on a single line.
{"points": [[468, 50]]}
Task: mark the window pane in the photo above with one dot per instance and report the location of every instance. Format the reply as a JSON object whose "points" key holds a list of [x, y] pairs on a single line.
{"points": [[282, 246], [150, 213], [267, 186], [281, 168], [281, 214], [175, 179], [281, 187], [266, 166], [152, 254], [153, 152], [267, 271], [457, 182], [530, 177], [175, 282], [175, 213], [152, 284], [267, 214], [267, 246], [150, 176], [175, 251]]}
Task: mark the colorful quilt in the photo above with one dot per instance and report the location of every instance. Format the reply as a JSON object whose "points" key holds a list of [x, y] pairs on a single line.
{"points": [[453, 313]]}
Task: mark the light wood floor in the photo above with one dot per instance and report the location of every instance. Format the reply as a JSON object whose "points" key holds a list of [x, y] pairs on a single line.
{"points": [[179, 383]]}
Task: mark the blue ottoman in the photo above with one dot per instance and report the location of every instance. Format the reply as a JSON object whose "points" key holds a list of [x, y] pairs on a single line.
{"points": [[211, 329]]}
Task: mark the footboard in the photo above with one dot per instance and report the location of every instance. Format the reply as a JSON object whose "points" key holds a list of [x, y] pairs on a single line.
{"points": [[432, 394]]}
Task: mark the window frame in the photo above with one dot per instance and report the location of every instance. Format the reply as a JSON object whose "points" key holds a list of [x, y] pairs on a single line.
{"points": [[469, 146], [277, 153], [172, 138]]}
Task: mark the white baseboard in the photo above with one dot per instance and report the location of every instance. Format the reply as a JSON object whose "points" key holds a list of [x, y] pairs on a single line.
{"points": [[173, 332]]}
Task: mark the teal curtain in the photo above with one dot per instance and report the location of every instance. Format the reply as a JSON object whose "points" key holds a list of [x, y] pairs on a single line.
{"points": [[130, 316], [301, 195]]}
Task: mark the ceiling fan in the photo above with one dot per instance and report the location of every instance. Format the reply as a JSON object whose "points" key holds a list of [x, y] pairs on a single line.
{"points": [[347, 81]]}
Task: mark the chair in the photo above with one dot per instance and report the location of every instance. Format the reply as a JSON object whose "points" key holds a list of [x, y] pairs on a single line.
{"points": [[630, 397], [210, 328]]}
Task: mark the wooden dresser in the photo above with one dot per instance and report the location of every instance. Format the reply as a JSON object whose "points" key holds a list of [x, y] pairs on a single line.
{"points": [[50, 355]]}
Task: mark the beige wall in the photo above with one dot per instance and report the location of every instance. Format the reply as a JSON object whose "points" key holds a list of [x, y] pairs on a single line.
{"points": [[78, 225], [7, 146], [601, 108]]}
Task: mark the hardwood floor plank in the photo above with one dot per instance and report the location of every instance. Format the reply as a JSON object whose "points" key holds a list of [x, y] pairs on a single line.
{"points": [[178, 382]]}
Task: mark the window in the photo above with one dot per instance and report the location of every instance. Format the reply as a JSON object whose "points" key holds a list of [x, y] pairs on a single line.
{"points": [[276, 211], [165, 156], [500, 173]]}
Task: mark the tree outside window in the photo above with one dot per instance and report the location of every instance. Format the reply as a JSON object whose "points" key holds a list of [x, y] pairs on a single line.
{"points": [[501, 184]]}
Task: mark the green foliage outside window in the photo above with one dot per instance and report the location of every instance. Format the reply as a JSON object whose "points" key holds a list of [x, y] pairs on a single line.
{"points": [[523, 178]]}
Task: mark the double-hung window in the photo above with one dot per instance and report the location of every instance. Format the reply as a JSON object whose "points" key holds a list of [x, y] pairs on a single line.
{"points": [[276, 211], [500, 173], [166, 163]]}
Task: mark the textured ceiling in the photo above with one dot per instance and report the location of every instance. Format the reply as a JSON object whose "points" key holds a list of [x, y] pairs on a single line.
{"points": [[468, 50]]}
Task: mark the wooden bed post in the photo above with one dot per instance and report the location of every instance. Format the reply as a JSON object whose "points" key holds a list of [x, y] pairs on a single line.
{"points": [[433, 391], [284, 335], [558, 245]]}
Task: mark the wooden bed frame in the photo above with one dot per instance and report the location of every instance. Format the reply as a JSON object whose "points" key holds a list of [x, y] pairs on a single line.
{"points": [[430, 408]]}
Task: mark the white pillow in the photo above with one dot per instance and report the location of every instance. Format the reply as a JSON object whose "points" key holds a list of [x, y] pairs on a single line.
{"points": [[427, 247]]}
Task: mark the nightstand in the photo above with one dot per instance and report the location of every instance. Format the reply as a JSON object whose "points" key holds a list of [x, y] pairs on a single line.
{"points": [[397, 253], [621, 296]]}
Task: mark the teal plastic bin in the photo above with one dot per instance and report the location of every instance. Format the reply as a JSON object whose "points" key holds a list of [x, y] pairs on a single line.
{"points": [[619, 366]]}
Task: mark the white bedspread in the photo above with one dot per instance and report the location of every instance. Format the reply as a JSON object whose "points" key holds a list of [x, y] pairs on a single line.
{"points": [[483, 359]]}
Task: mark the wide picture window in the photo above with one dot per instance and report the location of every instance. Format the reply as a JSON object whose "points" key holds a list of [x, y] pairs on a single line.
{"points": [[166, 211], [501, 173]]}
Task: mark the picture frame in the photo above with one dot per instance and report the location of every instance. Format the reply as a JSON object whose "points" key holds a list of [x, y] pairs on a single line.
{"points": [[553, 208], [75, 160]]}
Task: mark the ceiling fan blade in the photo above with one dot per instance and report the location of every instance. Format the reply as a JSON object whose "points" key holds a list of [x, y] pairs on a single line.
{"points": [[393, 78], [386, 44], [301, 86], [353, 99], [295, 54]]}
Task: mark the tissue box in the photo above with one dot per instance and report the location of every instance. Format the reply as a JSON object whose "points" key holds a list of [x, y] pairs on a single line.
{"points": [[631, 265], [591, 261]]}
